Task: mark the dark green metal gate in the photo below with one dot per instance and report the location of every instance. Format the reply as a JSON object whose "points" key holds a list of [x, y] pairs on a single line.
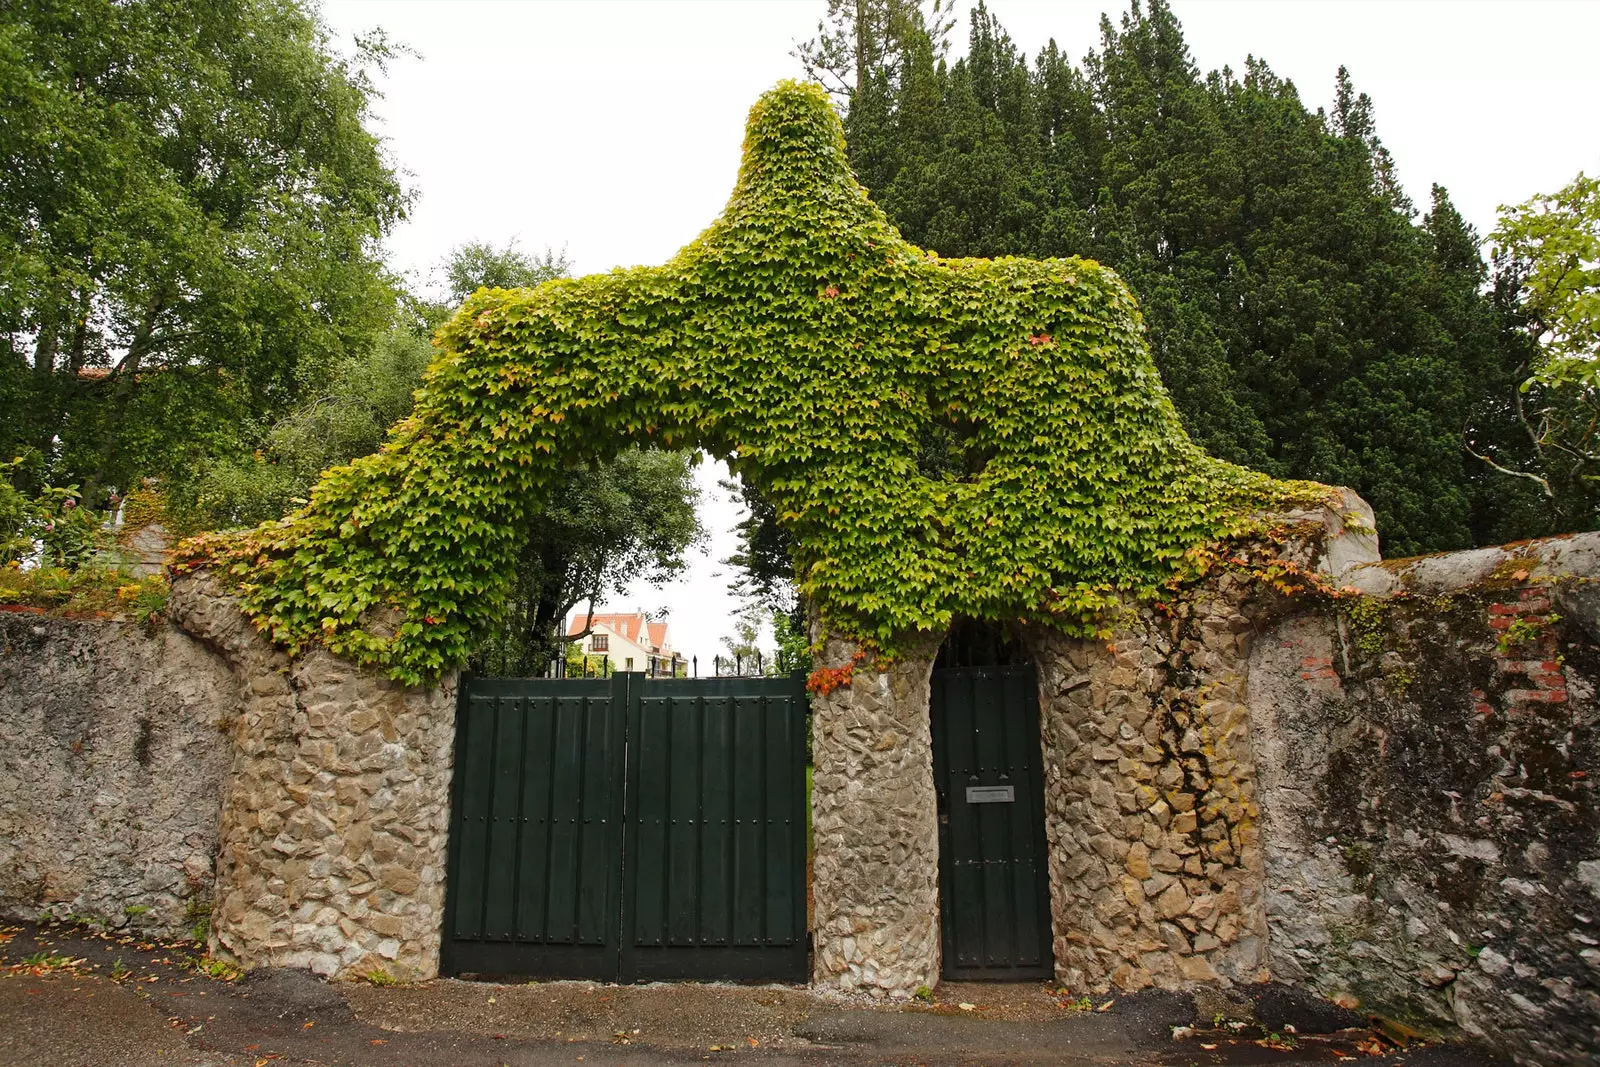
{"points": [[993, 885], [629, 829]]}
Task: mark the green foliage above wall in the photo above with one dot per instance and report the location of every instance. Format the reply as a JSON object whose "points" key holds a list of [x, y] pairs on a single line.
{"points": [[973, 437], [191, 214]]}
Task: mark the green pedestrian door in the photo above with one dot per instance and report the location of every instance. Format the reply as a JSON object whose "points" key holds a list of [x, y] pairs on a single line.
{"points": [[629, 829], [993, 886]]}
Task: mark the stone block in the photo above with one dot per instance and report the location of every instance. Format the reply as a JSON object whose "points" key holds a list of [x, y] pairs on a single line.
{"points": [[1173, 901], [1138, 861], [1166, 862], [1197, 969]]}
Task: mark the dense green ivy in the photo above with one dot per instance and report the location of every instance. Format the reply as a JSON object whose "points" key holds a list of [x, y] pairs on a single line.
{"points": [[804, 339]]}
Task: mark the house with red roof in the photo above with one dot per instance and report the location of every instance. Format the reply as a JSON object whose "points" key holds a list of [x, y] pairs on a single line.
{"points": [[630, 642]]}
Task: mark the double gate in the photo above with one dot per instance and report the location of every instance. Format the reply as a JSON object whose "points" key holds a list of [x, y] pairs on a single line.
{"points": [[629, 829]]}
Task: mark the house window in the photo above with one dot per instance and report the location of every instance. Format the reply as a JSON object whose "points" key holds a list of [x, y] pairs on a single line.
{"points": [[628, 664], [599, 643]]}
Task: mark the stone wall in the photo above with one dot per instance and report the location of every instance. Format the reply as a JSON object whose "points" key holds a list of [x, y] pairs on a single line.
{"points": [[1387, 796], [1428, 757], [114, 747], [336, 812], [1156, 869]]}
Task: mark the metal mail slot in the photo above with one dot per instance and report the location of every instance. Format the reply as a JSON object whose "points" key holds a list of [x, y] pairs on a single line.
{"points": [[991, 794]]}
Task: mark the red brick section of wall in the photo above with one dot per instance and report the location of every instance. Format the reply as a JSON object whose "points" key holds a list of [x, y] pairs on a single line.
{"points": [[1527, 647]]}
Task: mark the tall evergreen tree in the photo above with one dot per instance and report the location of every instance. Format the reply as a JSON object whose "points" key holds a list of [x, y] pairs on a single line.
{"points": [[1304, 319]]}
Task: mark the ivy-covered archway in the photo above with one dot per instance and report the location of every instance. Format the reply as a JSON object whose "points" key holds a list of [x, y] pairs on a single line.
{"points": [[986, 438]]}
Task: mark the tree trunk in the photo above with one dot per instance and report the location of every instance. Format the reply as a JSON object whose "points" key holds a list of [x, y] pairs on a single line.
{"points": [[124, 381], [863, 36], [548, 611], [47, 409]]}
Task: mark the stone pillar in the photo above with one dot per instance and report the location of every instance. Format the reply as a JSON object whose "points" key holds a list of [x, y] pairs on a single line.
{"points": [[1156, 872], [336, 816], [876, 874]]}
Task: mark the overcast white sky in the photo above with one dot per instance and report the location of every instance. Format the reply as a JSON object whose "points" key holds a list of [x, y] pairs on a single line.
{"points": [[612, 127]]}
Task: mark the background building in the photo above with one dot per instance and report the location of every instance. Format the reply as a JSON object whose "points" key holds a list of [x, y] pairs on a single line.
{"points": [[629, 642]]}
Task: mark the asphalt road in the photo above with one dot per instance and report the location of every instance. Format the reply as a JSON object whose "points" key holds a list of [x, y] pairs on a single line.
{"points": [[70, 996]]}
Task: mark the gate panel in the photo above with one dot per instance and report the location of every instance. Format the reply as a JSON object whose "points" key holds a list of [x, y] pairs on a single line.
{"points": [[995, 915], [715, 855], [536, 826], [533, 860], [504, 717], [717, 829], [749, 791], [785, 849]]}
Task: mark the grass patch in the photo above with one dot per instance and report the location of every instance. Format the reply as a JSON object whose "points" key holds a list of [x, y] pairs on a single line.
{"points": [[198, 915]]}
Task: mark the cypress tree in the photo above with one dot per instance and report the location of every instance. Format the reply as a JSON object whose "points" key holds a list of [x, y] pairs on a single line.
{"points": [[1305, 321]]}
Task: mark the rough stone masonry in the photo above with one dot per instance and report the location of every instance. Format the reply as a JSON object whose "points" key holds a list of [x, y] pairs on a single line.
{"points": [[114, 756], [1156, 872], [1151, 813], [1428, 758], [875, 824]]}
